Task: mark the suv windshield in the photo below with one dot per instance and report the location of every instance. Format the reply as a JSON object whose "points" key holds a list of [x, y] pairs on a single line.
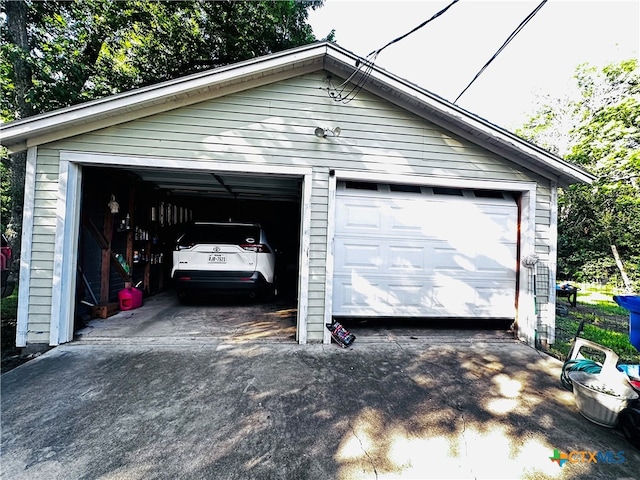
{"points": [[221, 234]]}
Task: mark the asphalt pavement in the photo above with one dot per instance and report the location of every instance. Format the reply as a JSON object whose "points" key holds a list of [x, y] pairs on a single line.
{"points": [[410, 408]]}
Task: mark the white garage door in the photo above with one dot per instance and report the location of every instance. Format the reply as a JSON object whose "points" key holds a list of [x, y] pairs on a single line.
{"points": [[424, 252]]}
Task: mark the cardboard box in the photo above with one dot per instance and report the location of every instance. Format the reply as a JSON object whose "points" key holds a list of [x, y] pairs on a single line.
{"points": [[105, 310]]}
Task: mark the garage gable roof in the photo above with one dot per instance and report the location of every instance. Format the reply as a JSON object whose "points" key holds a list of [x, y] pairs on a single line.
{"points": [[127, 106]]}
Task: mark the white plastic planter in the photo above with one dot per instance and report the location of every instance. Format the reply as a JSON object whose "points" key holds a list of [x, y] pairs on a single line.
{"points": [[601, 398]]}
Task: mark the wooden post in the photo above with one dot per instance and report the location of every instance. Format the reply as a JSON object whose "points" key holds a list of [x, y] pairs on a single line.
{"points": [[147, 268], [105, 269], [132, 222], [625, 278]]}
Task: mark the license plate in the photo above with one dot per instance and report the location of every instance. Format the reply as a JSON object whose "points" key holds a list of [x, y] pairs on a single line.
{"points": [[217, 258]]}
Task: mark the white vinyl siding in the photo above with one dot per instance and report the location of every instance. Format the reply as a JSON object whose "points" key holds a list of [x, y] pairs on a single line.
{"points": [[42, 246], [319, 201], [274, 125], [545, 242]]}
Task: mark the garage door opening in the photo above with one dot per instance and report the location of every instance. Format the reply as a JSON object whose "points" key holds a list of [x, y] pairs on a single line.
{"points": [[400, 329], [132, 243], [424, 254]]}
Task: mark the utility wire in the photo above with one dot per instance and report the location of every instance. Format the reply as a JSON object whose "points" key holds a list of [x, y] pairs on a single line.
{"points": [[507, 41], [402, 37], [365, 66]]}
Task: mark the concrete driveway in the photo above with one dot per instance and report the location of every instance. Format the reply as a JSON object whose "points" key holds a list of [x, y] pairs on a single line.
{"points": [[406, 408]]}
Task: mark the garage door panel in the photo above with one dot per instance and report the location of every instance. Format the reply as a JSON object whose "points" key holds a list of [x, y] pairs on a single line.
{"points": [[424, 256], [497, 300], [424, 299], [405, 258], [402, 295], [381, 256], [502, 264], [361, 217], [356, 294], [374, 299], [450, 259], [408, 217], [359, 254], [453, 299]]}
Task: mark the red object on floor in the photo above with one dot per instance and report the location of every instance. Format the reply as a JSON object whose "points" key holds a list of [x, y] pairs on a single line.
{"points": [[130, 298]]}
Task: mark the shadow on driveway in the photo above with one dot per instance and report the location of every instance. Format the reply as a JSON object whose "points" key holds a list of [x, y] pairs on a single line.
{"points": [[388, 409]]}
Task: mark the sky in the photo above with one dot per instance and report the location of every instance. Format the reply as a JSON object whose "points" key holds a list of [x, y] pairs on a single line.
{"points": [[445, 55]]}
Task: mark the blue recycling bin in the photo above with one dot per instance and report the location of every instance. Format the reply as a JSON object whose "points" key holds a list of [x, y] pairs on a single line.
{"points": [[631, 303]]}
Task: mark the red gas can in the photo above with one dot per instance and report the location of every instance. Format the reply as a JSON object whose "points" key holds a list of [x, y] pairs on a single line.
{"points": [[130, 298]]}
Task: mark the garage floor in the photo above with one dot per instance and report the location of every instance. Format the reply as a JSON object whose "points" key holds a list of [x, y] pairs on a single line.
{"points": [[164, 320]]}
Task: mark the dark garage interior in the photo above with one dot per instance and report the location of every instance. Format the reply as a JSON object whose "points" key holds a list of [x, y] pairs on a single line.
{"points": [[134, 245]]}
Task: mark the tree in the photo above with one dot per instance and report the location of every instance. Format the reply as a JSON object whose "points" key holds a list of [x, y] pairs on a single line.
{"points": [[598, 130], [60, 53], [5, 199]]}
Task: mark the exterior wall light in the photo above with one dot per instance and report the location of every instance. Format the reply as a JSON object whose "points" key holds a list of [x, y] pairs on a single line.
{"points": [[324, 132]]}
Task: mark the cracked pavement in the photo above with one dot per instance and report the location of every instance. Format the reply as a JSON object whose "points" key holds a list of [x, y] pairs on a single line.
{"points": [[381, 409], [222, 391]]}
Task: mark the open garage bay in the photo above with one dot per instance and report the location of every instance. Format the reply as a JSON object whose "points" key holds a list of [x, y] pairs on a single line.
{"points": [[163, 320]]}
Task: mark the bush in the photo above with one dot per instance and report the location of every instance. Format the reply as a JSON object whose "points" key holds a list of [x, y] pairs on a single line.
{"points": [[9, 306]]}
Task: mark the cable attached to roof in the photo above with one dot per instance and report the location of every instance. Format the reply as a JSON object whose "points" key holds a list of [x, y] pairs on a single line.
{"points": [[364, 67], [507, 41]]}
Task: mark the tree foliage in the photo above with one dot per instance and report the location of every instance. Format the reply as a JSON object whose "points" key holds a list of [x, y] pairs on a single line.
{"points": [[598, 130], [77, 51], [55, 54], [5, 189]]}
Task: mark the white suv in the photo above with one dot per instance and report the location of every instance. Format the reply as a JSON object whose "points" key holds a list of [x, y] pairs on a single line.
{"points": [[223, 258]]}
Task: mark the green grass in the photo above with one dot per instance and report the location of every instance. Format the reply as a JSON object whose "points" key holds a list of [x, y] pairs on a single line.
{"points": [[9, 306], [602, 300], [605, 323], [610, 308], [616, 341]]}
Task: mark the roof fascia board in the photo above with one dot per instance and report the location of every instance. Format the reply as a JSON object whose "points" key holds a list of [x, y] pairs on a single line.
{"points": [[505, 153], [556, 170], [456, 130], [251, 73], [495, 140], [451, 117], [247, 74]]}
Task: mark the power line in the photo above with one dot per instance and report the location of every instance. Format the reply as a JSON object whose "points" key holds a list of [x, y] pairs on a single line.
{"points": [[507, 41], [416, 28], [364, 67]]}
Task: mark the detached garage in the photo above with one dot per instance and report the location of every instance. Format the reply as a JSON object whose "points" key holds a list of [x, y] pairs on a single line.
{"points": [[395, 204]]}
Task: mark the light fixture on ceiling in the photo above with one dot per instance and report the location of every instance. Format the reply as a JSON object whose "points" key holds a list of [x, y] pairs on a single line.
{"points": [[113, 205], [324, 132]]}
